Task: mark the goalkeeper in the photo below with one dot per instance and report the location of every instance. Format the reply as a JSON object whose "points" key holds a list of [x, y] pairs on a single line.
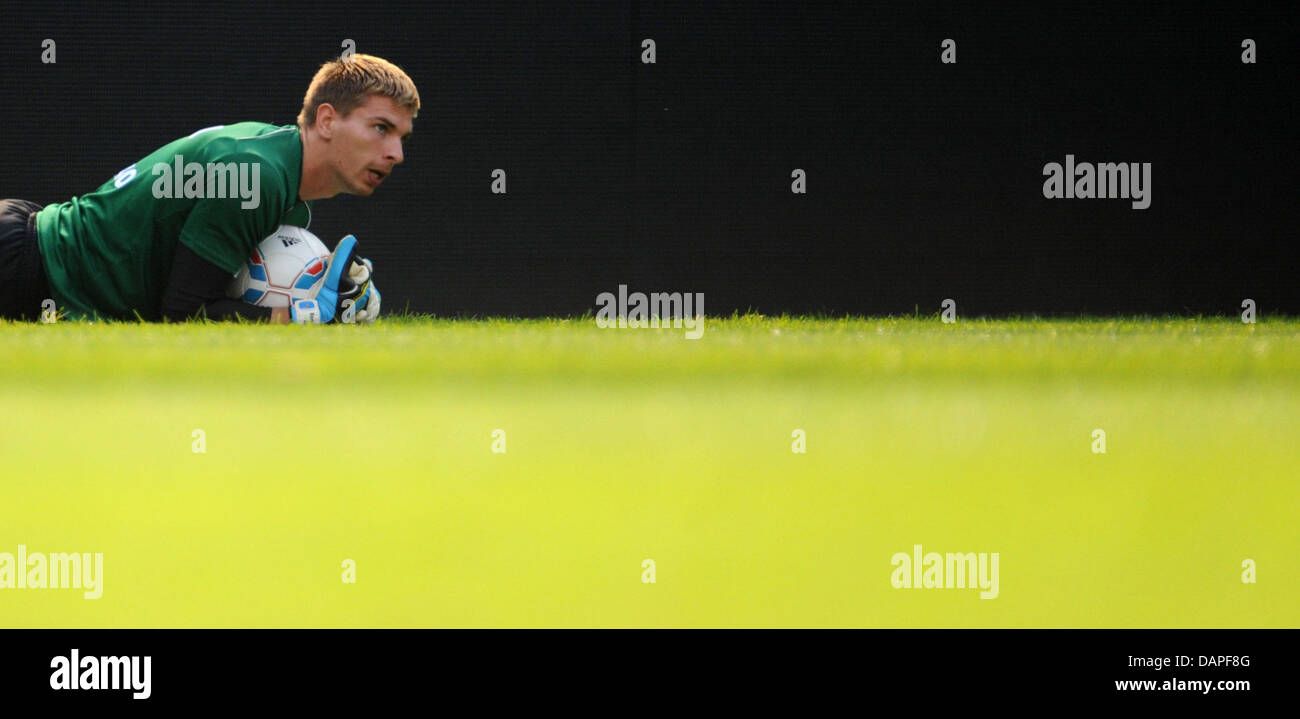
{"points": [[162, 239]]}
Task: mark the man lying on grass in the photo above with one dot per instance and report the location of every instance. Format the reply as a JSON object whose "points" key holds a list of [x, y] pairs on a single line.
{"points": [[154, 246]]}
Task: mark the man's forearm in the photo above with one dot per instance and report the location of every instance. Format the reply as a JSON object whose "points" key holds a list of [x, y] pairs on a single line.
{"points": [[198, 287], [228, 309], [279, 315]]}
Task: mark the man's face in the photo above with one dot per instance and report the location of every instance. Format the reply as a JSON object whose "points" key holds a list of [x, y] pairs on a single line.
{"points": [[367, 144]]}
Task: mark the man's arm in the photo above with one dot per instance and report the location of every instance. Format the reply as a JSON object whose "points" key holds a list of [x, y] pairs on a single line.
{"points": [[198, 287]]}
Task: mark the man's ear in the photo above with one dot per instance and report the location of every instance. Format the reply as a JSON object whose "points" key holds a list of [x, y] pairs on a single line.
{"points": [[325, 117]]}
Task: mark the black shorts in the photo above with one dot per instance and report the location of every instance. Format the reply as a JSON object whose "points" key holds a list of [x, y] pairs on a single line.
{"points": [[23, 287]]}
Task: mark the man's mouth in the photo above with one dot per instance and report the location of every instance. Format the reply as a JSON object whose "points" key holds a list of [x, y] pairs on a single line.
{"points": [[376, 176]]}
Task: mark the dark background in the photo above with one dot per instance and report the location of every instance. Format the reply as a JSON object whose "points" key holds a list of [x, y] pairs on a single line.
{"points": [[924, 179]]}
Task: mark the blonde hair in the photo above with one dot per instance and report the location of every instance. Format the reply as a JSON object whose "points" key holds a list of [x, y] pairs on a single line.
{"points": [[346, 82]]}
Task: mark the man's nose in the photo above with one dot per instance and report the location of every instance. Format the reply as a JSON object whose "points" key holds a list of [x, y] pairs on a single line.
{"points": [[395, 152]]}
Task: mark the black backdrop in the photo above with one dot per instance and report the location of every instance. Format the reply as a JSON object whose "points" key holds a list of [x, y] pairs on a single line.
{"points": [[924, 179]]}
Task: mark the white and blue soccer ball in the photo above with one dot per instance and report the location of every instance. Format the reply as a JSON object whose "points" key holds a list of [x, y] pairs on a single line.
{"points": [[288, 265]]}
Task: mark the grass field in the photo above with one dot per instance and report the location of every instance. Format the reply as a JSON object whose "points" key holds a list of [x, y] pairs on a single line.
{"points": [[375, 444]]}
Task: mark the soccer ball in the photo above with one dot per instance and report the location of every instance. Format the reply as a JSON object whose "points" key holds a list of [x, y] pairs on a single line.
{"points": [[288, 265]]}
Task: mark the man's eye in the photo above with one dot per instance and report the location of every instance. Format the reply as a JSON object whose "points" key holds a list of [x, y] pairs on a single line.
{"points": [[381, 128]]}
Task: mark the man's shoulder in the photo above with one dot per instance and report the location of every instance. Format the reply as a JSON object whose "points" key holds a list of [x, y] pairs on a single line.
{"points": [[273, 152], [274, 142]]}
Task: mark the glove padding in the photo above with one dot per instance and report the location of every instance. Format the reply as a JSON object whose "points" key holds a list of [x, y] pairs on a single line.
{"points": [[323, 308], [359, 297]]}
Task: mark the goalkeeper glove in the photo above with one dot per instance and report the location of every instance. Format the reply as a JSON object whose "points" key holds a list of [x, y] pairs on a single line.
{"points": [[325, 305], [360, 301]]}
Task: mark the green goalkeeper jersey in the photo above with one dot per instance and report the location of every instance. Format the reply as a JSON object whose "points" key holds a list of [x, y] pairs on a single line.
{"points": [[219, 191]]}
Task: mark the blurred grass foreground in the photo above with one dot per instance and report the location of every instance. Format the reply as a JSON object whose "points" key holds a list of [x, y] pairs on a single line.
{"points": [[445, 473]]}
